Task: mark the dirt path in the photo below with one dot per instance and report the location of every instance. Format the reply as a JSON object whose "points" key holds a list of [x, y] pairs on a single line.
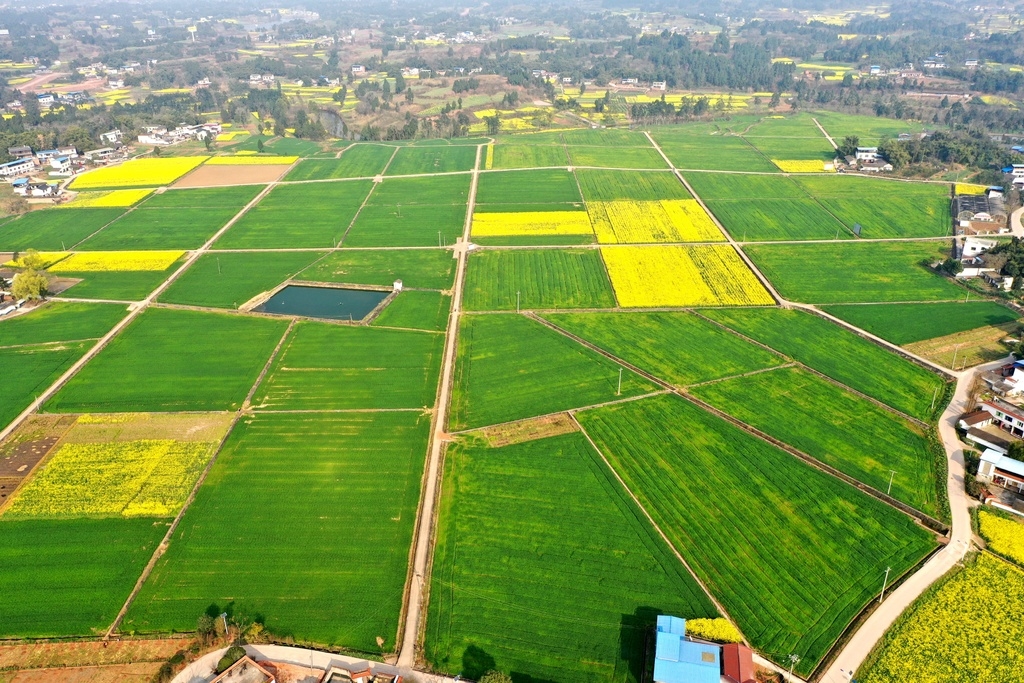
{"points": [[825, 133], [418, 588], [853, 654]]}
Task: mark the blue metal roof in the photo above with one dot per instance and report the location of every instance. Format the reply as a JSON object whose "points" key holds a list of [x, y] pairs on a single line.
{"points": [[677, 660], [18, 162]]}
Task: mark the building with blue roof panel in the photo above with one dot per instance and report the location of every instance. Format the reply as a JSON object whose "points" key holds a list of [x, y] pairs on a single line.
{"points": [[678, 660]]}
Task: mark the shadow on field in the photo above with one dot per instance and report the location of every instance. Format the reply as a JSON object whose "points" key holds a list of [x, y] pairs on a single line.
{"points": [[634, 632], [476, 662]]}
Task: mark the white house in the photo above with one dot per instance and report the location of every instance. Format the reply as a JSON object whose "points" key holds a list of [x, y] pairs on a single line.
{"points": [[45, 99], [867, 153], [659, 85], [974, 246], [115, 83], [1001, 470], [1018, 174], [60, 164], [111, 136], [358, 69], [17, 167]]}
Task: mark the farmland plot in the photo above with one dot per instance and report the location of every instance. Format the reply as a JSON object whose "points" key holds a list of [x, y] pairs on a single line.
{"points": [[785, 149], [908, 323], [712, 153], [54, 230], [416, 310], [416, 268], [502, 562], [45, 595], [732, 186], [147, 172], [174, 360], [610, 186], [536, 279], [324, 568], [357, 161], [837, 427], [757, 220], [512, 155], [160, 228], [204, 198], [506, 370], [892, 215], [415, 160], [407, 226], [792, 553], [60, 321], [230, 279], [333, 367], [528, 187], [616, 157], [679, 220], [434, 191], [679, 348], [857, 271], [843, 356], [30, 370]]}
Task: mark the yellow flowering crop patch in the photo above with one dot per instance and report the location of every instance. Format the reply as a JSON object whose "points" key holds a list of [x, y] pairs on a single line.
{"points": [[638, 222], [147, 478], [968, 630], [719, 630], [489, 161], [112, 198], [804, 166], [48, 259], [231, 135], [251, 161], [148, 172], [1004, 536], [532, 223], [682, 276], [99, 261], [968, 188]]}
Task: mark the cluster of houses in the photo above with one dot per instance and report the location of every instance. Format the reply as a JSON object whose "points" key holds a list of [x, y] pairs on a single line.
{"points": [[681, 659], [160, 135], [977, 262], [249, 670], [865, 160], [994, 426], [980, 214], [1016, 171]]}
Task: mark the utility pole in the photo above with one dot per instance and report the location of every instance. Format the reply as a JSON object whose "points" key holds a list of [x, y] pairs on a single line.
{"points": [[884, 581], [793, 659], [618, 392], [935, 395], [892, 473]]}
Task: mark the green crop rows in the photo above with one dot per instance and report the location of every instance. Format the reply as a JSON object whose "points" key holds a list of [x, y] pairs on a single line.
{"points": [[909, 323], [537, 279]]}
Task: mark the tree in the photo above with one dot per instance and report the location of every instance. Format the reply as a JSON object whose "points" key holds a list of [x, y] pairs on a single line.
{"points": [[849, 146], [721, 43], [1016, 451], [776, 99], [895, 152], [29, 284], [399, 83], [493, 123], [495, 677], [259, 145], [408, 95], [206, 627]]}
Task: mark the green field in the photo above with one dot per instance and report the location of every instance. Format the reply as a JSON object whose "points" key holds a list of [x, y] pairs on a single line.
{"points": [[416, 310], [841, 355], [756, 220], [336, 367], [609, 186], [884, 213], [870, 129], [734, 186], [117, 285], [407, 226], [308, 519], [161, 228], [53, 230], [543, 278], [510, 367], [711, 152], [204, 198], [69, 577], [792, 553], [528, 187], [357, 161], [228, 280], [393, 192], [855, 272], [605, 137], [416, 268], [679, 348], [545, 590], [59, 321], [170, 360], [293, 216], [433, 159], [30, 370], [511, 155], [909, 323], [616, 157], [794, 148], [837, 427]]}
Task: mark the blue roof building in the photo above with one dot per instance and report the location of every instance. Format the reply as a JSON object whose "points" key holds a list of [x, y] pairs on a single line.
{"points": [[678, 660]]}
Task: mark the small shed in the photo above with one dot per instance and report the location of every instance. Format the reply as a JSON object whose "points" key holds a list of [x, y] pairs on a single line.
{"points": [[738, 663], [1001, 470], [678, 660]]}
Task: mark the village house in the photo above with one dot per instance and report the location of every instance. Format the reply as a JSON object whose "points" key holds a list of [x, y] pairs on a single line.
{"points": [[1001, 470], [111, 136], [20, 152], [17, 167], [45, 99], [247, 670], [866, 154], [60, 165], [358, 69], [680, 659], [659, 85], [1017, 171], [995, 425], [980, 214], [115, 83], [875, 166]]}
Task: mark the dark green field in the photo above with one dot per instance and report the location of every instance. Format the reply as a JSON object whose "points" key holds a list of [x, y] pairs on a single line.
{"points": [[332, 367], [58, 321], [170, 360], [510, 367], [204, 198], [909, 323], [432, 159], [131, 285], [528, 187], [308, 519], [679, 348], [841, 355], [835, 426], [609, 186], [797, 554], [417, 310], [357, 161], [416, 268], [545, 590], [53, 230], [543, 278], [710, 152], [30, 370], [69, 577], [161, 228], [228, 280], [757, 220], [448, 189], [617, 157], [512, 155]]}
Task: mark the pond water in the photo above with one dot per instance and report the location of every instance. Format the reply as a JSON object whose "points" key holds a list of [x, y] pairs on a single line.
{"points": [[323, 302]]}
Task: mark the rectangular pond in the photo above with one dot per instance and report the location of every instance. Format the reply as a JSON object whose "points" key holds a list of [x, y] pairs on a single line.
{"points": [[334, 303]]}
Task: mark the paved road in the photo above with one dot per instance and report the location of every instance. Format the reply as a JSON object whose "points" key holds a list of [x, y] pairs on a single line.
{"points": [[871, 631], [1015, 225]]}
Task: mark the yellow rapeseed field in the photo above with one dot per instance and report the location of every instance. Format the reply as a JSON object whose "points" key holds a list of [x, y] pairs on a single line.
{"points": [[98, 261], [113, 198], [638, 222], [803, 166], [149, 172], [969, 630], [682, 276], [148, 478], [970, 188], [531, 223], [47, 258], [251, 161], [1004, 536], [489, 161], [719, 630]]}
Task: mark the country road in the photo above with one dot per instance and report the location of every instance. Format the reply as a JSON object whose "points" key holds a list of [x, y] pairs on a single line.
{"points": [[871, 631]]}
